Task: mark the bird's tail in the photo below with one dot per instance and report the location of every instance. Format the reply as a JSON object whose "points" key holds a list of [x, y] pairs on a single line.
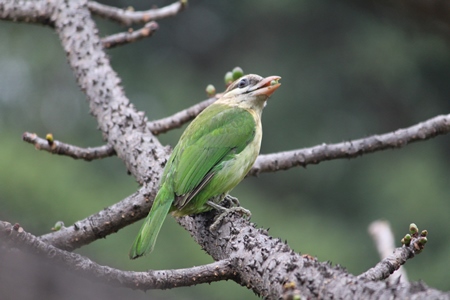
{"points": [[145, 241]]}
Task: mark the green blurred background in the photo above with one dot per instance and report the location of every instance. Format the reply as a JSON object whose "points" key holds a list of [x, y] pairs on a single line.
{"points": [[347, 72]]}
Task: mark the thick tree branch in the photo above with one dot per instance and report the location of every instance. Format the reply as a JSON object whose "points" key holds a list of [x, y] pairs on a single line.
{"points": [[38, 11], [75, 152], [164, 279], [278, 268], [352, 149], [177, 120], [121, 124], [130, 37], [128, 17]]}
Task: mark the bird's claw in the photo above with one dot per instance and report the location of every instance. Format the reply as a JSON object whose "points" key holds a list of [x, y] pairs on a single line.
{"points": [[230, 201], [225, 211]]}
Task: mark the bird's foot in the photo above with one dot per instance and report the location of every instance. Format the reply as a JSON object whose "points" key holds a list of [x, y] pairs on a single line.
{"points": [[225, 211], [230, 201]]}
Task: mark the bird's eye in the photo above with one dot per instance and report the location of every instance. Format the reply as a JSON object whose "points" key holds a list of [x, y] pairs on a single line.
{"points": [[243, 83]]}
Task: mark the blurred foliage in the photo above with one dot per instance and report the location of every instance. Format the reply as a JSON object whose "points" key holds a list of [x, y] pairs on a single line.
{"points": [[345, 73]]}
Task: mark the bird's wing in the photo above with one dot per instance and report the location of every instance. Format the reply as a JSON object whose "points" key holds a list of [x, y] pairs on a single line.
{"points": [[214, 137]]}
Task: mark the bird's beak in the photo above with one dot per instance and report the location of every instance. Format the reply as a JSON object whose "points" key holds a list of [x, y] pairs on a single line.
{"points": [[266, 86]]}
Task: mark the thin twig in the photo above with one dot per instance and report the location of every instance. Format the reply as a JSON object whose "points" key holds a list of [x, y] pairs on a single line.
{"points": [[177, 120], [383, 237], [75, 152], [164, 279], [352, 149], [131, 36], [129, 16], [392, 263]]}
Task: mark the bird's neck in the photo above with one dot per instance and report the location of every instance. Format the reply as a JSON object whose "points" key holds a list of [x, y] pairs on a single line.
{"points": [[254, 107]]}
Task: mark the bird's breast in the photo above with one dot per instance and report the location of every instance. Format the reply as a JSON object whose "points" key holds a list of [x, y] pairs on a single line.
{"points": [[243, 161]]}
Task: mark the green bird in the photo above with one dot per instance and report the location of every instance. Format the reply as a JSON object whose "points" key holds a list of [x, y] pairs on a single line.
{"points": [[213, 155]]}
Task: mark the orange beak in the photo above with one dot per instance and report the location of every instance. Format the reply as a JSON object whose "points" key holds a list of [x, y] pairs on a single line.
{"points": [[266, 86]]}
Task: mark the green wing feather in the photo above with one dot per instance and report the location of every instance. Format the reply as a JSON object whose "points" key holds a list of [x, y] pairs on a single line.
{"points": [[211, 139]]}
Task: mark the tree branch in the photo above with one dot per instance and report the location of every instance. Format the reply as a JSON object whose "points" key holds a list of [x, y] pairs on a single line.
{"points": [[177, 120], [270, 268], [251, 254], [122, 125], [75, 152], [127, 16], [384, 241], [130, 37], [38, 11], [164, 279], [103, 223], [414, 245], [352, 149]]}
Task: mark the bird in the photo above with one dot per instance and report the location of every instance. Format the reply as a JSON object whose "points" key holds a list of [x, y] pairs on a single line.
{"points": [[213, 155]]}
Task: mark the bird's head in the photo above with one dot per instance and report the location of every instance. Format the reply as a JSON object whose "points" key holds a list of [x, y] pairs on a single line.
{"points": [[250, 91]]}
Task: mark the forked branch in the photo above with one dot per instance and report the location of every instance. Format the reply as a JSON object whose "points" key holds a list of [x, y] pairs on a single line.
{"points": [[128, 17]]}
